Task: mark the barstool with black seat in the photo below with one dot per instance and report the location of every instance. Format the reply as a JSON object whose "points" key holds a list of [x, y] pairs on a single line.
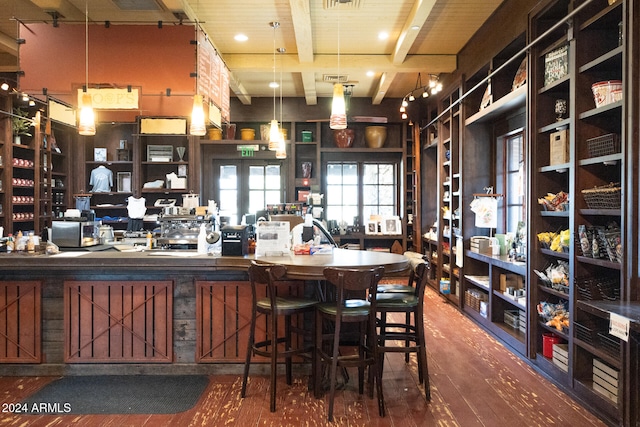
{"points": [[355, 302], [410, 332], [275, 306], [414, 259]]}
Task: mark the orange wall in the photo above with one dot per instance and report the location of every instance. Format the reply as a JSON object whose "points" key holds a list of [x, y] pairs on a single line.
{"points": [[143, 56]]}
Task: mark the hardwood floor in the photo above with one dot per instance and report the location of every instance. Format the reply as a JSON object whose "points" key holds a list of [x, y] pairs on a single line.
{"points": [[475, 382]]}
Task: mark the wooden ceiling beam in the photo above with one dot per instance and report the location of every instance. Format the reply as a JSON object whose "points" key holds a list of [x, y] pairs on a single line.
{"points": [[416, 19], [381, 88], [329, 63]]}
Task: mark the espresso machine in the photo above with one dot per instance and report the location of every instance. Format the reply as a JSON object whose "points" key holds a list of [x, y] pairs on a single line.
{"points": [[181, 231]]}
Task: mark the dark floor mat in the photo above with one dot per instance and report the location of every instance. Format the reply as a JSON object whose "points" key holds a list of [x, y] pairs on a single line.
{"points": [[118, 394]]}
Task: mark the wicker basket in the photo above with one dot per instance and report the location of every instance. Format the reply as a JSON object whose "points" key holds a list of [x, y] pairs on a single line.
{"points": [[473, 297], [603, 197], [604, 145]]}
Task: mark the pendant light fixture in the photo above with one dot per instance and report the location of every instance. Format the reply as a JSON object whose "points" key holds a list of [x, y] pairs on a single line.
{"points": [[197, 127], [281, 152], [338, 119], [274, 131], [87, 121]]}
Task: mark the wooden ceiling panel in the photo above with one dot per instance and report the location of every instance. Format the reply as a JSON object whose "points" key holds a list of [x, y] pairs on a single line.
{"points": [[444, 27]]}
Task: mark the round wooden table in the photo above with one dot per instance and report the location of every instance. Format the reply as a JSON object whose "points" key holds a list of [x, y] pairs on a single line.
{"points": [[310, 267]]}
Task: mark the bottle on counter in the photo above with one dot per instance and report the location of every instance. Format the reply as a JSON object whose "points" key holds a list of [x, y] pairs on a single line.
{"points": [[149, 240], [10, 243], [20, 244], [31, 244], [202, 240]]}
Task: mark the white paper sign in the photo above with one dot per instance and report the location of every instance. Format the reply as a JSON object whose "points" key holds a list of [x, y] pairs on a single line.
{"points": [[619, 326], [272, 238]]}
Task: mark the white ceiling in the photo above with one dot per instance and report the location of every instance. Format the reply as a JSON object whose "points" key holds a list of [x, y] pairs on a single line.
{"points": [[424, 37]]}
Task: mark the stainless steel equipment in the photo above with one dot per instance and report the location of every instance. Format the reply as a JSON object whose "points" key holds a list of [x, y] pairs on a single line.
{"points": [[75, 233], [181, 231]]}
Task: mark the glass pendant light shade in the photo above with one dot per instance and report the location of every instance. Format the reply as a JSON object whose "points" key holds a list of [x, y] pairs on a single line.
{"points": [[338, 119], [274, 136], [197, 127], [87, 124], [281, 150]]}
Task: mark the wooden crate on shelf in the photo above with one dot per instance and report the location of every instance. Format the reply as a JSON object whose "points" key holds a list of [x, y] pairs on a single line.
{"points": [[561, 356], [605, 380]]}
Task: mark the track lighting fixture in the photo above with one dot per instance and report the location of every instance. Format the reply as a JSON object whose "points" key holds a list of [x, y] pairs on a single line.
{"points": [[433, 87]]}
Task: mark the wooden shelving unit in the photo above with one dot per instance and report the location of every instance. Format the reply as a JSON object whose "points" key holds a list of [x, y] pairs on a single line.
{"points": [[597, 52]]}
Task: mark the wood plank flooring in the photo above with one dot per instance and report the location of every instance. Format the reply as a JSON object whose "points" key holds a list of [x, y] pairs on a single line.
{"points": [[475, 382]]}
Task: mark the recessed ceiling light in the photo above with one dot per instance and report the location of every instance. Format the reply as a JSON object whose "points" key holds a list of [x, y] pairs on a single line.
{"points": [[383, 35], [415, 27], [241, 38], [370, 73], [273, 85]]}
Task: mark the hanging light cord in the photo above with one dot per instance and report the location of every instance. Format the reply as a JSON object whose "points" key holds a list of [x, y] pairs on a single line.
{"points": [[281, 51], [86, 45], [338, 43], [275, 26]]}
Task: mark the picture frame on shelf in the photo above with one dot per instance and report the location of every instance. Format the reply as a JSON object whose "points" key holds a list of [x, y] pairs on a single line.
{"points": [[182, 170], [303, 195], [371, 227], [99, 154], [391, 225], [124, 182]]}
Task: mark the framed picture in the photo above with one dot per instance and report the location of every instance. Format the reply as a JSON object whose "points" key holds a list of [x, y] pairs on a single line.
{"points": [[99, 154], [124, 182], [303, 195], [556, 64], [182, 170], [391, 225], [371, 227]]}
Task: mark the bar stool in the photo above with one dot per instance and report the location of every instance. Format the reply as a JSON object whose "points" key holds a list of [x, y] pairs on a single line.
{"points": [[355, 302], [412, 333], [274, 306], [409, 288]]}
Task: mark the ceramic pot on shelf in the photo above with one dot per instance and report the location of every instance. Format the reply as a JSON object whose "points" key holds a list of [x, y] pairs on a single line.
{"points": [[247, 134], [344, 138], [375, 136]]}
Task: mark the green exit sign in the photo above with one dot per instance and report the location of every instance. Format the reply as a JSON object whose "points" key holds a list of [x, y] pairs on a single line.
{"points": [[247, 150]]}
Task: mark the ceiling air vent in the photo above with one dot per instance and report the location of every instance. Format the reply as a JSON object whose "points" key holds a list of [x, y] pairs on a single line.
{"points": [[137, 4], [335, 78], [355, 4]]}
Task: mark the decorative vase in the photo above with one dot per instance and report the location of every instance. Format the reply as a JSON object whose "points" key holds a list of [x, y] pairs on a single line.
{"points": [[181, 151], [375, 136], [344, 138]]}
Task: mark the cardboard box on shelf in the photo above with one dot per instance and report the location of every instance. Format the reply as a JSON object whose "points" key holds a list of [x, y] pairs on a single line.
{"points": [[559, 147]]}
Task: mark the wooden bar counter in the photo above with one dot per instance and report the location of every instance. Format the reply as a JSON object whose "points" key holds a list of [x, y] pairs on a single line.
{"points": [[140, 312]]}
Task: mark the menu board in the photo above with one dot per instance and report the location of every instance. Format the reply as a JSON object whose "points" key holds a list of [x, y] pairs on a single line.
{"points": [[213, 75]]}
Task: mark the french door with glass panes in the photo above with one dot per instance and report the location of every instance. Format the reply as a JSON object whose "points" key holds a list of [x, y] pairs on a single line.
{"points": [[245, 186]]}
